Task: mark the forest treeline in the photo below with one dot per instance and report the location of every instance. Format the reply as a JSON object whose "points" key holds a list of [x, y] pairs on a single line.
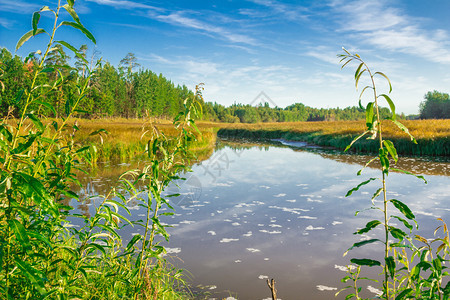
{"points": [[132, 92]]}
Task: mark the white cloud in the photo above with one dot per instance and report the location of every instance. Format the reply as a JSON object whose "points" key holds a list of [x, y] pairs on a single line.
{"points": [[177, 18], [126, 4], [379, 24], [410, 40], [6, 23], [13, 6], [290, 12]]}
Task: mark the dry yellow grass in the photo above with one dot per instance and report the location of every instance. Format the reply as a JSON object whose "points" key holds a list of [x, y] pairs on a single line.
{"points": [[420, 129]]}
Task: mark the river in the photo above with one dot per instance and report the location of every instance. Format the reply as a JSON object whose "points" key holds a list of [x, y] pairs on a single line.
{"points": [[253, 212]]}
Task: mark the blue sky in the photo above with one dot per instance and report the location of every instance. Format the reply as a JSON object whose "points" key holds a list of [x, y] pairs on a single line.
{"points": [[286, 49]]}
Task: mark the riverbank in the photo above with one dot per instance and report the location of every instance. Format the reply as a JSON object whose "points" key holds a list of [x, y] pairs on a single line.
{"points": [[124, 139], [433, 136], [127, 138]]}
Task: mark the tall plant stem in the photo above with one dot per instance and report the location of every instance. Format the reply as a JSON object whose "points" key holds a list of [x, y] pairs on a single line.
{"points": [[383, 180]]}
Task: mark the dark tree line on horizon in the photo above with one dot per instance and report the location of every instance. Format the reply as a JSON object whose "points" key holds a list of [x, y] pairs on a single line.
{"points": [[129, 92]]}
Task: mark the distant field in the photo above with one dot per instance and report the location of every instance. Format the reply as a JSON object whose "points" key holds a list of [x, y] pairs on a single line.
{"points": [[433, 136], [420, 129]]}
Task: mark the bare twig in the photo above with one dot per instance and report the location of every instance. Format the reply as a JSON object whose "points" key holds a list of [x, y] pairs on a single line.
{"points": [[271, 285]]}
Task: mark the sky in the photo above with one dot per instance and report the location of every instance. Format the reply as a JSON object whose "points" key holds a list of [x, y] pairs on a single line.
{"points": [[282, 49]]}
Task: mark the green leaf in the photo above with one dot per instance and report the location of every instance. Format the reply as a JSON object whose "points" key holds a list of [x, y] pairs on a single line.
{"points": [[47, 70], [359, 185], [391, 149], [365, 262], [161, 228], [377, 193], [382, 74], [406, 223], [397, 233], [47, 105], [71, 11], [30, 273], [403, 208], [369, 115], [346, 62], [391, 105], [74, 50], [110, 230], [35, 21], [355, 139], [27, 36], [33, 188], [5, 132], [369, 226], [69, 105], [18, 97], [20, 233], [36, 121], [360, 244], [383, 155], [403, 128], [81, 28], [95, 246], [71, 2], [39, 237], [403, 294], [358, 69], [409, 173], [390, 265], [359, 77], [133, 241], [22, 147], [362, 92]]}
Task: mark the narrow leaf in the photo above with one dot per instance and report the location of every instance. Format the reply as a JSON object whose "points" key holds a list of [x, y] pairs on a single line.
{"points": [[355, 139], [81, 28], [30, 273], [369, 115], [362, 243], [20, 233], [391, 149], [407, 225], [382, 74], [397, 233], [27, 36], [47, 105], [71, 11], [409, 173], [359, 77], [133, 241], [390, 265], [365, 262], [35, 21], [369, 226], [403, 128], [391, 105], [358, 69], [403, 294], [74, 50], [403, 208], [346, 63], [359, 185]]}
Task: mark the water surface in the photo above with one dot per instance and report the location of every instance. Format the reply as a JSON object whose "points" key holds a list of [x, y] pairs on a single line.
{"points": [[252, 212]]}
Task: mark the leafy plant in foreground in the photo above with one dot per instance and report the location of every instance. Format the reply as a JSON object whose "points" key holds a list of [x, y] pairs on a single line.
{"points": [[403, 278], [46, 250]]}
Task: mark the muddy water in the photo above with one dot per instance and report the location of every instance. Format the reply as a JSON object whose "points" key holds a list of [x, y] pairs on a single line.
{"points": [[252, 212]]}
